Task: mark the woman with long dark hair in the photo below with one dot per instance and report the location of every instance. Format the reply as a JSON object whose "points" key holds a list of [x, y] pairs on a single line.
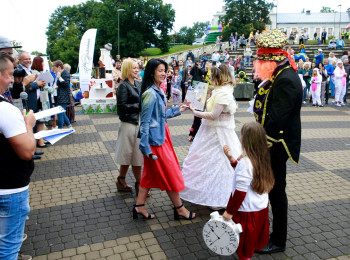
{"points": [[161, 167], [44, 95]]}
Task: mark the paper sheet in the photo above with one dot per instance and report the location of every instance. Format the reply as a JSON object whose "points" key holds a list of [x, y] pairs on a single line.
{"points": [[49, 112], [54, 135], [196, 95], [46, 76]]}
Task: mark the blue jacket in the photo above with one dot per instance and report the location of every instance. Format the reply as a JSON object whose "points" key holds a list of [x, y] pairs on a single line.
{"points": [[330, 69], [153, 117], [319, 59]]}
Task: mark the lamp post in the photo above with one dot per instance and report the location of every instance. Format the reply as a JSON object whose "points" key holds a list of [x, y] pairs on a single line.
{"points": [[339, 20], [276, 12], [119, 10], [334, 24]]}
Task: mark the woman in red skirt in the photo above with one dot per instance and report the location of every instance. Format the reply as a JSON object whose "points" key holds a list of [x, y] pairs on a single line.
{"points": [[161, 167]]}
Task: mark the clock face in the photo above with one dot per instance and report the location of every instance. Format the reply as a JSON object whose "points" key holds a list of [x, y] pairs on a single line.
{"points": [[220, 237]]}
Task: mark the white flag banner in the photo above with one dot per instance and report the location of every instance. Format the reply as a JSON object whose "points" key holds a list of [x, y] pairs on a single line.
{"points": [[86, 56]]}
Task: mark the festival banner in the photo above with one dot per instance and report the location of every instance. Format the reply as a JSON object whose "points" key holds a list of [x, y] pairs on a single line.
{"points": [[86, 56]]}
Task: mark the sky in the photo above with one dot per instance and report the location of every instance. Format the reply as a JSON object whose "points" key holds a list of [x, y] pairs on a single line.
{"points": [[26, 21]]}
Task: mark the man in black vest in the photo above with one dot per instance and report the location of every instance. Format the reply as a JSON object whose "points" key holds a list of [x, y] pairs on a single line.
{"points": [[17, 149], [277, 108]]}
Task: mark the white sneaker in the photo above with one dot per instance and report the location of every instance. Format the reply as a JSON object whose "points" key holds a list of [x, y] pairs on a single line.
{"points": [[304, 102], [342, 104], [338, 105], [56, 127]]}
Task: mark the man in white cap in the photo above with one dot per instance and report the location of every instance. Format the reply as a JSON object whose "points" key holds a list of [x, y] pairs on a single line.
{"points": [[7, 46], [319, 57]]}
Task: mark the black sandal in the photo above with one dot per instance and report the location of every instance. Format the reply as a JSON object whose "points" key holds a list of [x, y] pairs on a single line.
{"points": [[177, 216], [135, 214]]}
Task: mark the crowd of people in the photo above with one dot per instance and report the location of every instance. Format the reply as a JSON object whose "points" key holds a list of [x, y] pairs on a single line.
{"points": [[21, 89], [230, 178], [325, 78], [220, 171]]}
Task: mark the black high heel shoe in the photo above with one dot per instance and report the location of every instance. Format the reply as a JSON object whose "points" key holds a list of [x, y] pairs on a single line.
{"points": [[177, 216], [135, 214]]}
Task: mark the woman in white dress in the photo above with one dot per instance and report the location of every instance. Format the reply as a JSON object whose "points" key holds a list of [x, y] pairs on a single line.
{"points": [[207, 173]]}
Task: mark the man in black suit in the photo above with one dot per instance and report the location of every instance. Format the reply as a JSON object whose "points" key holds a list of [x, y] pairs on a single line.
{"points": [[277, 107], [324, 36]]}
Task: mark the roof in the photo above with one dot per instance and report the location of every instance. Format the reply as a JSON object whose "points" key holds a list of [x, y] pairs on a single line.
{"points": [[313, 18]]}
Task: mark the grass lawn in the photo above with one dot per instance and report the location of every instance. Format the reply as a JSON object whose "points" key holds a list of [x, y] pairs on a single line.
{"points": [[156, 52]]}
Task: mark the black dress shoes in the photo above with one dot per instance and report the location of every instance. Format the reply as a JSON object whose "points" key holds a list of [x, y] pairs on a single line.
{"points": [[36, 157], [271, 248], [38, 153]]}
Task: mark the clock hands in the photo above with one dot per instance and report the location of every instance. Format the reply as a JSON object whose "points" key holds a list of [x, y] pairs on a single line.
{"points": [[214, 241], [212, 229]]}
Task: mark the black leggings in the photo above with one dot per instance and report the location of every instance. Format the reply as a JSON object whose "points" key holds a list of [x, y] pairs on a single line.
{"points": [[168, 90]]}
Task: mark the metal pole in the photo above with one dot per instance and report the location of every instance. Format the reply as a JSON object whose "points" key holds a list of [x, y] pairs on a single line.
{"points": [[276, 12], [339, 22], [118, 35], [334, 24], [119, 10]]}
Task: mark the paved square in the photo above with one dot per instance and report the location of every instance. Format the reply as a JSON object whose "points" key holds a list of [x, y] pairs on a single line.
{"points": [[77, 213]]}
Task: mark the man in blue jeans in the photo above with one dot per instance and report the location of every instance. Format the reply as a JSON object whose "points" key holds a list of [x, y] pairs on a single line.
{"points": [[17, 149]]}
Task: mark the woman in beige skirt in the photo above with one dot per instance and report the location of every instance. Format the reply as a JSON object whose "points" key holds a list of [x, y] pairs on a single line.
{"points": [[127, 148]]}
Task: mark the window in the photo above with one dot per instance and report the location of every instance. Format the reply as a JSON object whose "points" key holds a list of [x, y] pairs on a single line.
{"points": [[330, 32], [318, 31]]}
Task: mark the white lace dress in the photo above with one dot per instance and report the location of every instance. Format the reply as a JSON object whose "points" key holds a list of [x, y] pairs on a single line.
{"points": [[207, 172]]}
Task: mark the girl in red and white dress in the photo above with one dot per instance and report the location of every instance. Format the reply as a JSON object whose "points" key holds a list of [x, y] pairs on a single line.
{"points": [[253, 180]]}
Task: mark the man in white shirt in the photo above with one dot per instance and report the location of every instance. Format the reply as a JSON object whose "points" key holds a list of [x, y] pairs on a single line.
{"points": [[231, 69], [215, 56], [17, 149]]}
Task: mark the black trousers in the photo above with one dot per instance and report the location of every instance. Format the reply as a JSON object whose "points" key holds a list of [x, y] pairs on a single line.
{"points": [[327, 92], [183, 90], [278, 195], [168, 90], [324, 40]]}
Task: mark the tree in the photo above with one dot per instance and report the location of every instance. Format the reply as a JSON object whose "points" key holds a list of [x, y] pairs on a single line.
{"points": [[37, 53], [15, 43], [139, 24], [326, 9], [244, 16], [186, 35], [200, 28]]}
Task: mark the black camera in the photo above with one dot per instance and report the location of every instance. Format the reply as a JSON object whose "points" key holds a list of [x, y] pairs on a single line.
{"points": [[21, 73]]}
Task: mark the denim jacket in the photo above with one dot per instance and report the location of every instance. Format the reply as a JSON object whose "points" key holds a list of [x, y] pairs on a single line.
{"points": [[153, 117]]}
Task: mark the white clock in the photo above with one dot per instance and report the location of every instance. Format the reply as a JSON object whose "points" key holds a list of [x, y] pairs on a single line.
{"points": [[221, 236]]}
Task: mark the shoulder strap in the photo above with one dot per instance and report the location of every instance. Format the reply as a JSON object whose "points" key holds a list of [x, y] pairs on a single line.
{"points": [[4, 99]]}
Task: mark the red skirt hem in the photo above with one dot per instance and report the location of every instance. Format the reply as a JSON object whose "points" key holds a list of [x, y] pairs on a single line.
{"points": [[255, 233], [165, 172]]}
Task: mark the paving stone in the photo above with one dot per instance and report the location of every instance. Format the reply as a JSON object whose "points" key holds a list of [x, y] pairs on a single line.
{"points": [[76, 208]]}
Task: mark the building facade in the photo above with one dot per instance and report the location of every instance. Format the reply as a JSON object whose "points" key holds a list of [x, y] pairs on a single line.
{"points": [[333, 23]]}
